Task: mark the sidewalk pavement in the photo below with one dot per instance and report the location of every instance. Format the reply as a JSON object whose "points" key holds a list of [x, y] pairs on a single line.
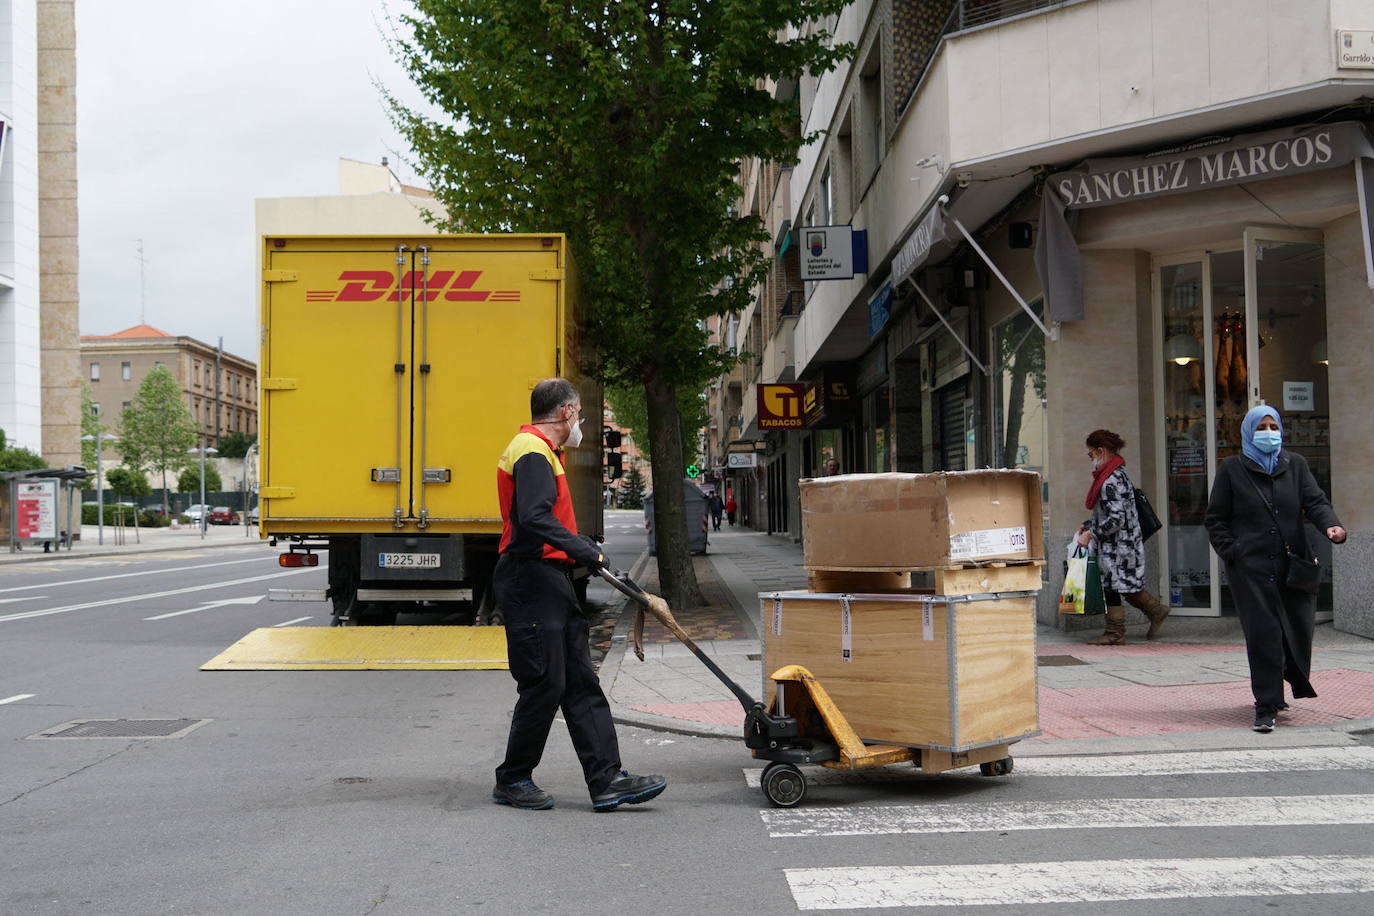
{"points": [[1189, 690], [146, 540]]}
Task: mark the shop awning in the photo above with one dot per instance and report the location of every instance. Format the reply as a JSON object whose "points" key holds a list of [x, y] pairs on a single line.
{"points": [[1182, 170]]}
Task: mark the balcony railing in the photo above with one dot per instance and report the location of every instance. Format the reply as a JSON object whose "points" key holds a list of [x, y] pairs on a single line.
{"points": [[972, 13]]}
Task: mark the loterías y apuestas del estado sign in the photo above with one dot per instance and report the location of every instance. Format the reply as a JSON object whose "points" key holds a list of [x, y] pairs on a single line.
{"points": [[1213, 164]]}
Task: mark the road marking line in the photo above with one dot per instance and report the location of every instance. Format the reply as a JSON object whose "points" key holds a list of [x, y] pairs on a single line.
{"points": [[17, 697], [28, 598], [149, 572], [1106, 813], [287, 623], [1277, 760], [1028, 883], [131, 598], [207, 606]]}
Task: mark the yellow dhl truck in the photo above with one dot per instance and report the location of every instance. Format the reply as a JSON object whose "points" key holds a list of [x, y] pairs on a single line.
{"points": [[394, 371]]}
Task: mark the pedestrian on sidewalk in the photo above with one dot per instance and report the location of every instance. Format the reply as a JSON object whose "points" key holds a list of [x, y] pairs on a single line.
{"points": [[1115, 528], [831, 468], [1255, 523], [547, 640], [716, 506], [731, 507]]}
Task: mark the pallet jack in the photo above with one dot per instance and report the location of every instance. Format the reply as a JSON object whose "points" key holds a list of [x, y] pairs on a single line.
{"points": [[804, 725]]}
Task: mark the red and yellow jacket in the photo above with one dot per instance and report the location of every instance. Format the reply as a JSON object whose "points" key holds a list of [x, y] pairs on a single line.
{"points": [[537, 518]]}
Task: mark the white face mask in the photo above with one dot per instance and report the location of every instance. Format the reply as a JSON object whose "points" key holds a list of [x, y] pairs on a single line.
{"points": [[575, 434], [1097, 464]]}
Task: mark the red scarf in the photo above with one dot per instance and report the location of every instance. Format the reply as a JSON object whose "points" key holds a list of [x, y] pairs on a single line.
{"points": [[1100, 477]]}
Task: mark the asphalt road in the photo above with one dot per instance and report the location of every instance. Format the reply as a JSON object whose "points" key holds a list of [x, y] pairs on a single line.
{"points": [[368, 792]]}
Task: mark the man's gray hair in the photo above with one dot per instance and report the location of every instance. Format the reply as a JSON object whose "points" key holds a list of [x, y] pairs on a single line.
{"points": [[550, 395]]}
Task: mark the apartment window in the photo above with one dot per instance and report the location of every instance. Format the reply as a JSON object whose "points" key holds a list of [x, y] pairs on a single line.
{"points": [[95, 372], [195, 373], [871, 94], [126, 405], [825, 199], [126, 371], [95, 408]]}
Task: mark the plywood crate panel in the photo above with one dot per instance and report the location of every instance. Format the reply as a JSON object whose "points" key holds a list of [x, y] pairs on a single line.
{"points": [[908, 521], [945, 672]]}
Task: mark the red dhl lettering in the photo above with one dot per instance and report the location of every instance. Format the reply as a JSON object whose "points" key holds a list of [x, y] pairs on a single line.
{"points": [[380, 286]]}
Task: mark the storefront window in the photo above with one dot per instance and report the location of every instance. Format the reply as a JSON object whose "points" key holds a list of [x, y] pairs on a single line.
{"points": [[878, 425], [1019, 414]]}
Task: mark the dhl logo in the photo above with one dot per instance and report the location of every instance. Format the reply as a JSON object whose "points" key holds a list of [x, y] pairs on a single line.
{"points": [[380, 286]]}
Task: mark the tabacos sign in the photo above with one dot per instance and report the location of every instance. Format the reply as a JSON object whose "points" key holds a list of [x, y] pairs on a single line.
{"points": [[439, 286], [1269, 155], [780, 405]]}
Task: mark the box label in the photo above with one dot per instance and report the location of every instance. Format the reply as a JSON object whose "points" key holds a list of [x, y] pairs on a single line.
{"points": [[777, 616], [846, 631], [927, 623], [970, 545]]}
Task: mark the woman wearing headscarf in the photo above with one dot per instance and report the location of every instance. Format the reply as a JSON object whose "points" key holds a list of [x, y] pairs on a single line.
{"points": [[1115, 526], [1254, 517]]}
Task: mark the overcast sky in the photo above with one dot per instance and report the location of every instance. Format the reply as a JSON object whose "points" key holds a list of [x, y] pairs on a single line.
{"points": [[187, 112]]}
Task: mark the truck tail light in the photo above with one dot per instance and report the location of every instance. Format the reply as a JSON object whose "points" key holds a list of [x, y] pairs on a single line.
{"points": [[299, 559]]}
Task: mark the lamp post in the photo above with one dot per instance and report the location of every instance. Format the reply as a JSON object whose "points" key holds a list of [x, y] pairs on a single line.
{"points": [[203, 450], [99, 439]]}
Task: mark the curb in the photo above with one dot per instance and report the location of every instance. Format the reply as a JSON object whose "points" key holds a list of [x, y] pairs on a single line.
{"points": [[102, 552]]}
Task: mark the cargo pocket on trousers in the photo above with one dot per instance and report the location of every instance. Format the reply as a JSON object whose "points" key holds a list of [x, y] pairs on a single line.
{"points": [[525, 651]]}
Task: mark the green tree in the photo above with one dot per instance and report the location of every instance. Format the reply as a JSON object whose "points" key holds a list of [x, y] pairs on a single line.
{"points": [[90, 426], [156, 430], [235, 444], [189, 479], [125, 482], [631, 495], [16, 458], [623, 125], [631, 413]]}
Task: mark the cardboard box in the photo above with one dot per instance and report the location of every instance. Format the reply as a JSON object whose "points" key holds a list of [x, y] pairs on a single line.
{"points": [[908, 521], [930, 671]]}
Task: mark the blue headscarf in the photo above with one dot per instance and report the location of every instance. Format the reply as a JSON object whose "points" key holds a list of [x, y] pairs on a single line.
{"points": [[1247, 436]]}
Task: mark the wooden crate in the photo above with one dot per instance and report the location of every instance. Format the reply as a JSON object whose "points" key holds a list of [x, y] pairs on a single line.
{"points": [[949, 673], [957, 579]]}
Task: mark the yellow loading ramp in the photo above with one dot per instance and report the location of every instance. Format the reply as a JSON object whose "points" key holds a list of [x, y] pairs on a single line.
{"points": [[365, 649]]}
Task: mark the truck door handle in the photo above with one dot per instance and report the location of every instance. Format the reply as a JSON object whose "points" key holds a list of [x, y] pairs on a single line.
{"points": [[436, 475], [386, 475]]}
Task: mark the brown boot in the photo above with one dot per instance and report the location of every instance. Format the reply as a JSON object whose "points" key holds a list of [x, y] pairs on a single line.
{"points": [[1151, 607], [1115, 633]]}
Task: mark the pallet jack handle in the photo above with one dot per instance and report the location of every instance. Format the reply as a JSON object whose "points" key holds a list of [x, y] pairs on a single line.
{"points": [[622, 583]]}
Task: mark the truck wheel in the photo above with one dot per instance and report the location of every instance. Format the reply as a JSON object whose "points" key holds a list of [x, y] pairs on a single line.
{"points": [[488, 614]]}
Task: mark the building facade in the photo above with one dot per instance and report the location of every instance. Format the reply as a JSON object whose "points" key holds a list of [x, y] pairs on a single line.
{"points": [[1150, 234], [40, 398], [221, 402]]}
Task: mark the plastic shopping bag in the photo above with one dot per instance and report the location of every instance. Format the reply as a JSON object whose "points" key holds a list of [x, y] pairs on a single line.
{"points": [[1082, 592]]}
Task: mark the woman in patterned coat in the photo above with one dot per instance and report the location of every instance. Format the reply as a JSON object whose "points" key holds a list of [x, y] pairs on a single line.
{"points": [[1115, 527]]}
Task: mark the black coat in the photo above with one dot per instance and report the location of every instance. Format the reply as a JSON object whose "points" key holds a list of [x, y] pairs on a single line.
{"points": [[1241, 529], [1278, 621]]}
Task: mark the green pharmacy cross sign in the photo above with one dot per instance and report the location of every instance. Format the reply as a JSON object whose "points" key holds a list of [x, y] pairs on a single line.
{"points": [[693, 471]]}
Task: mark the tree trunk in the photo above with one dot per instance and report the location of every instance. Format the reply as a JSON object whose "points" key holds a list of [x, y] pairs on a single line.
{"points": [[166, 509], [676, 576], [1016, 407]]}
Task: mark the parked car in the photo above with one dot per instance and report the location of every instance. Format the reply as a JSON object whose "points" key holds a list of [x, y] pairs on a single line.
{"points": [[223, 515], [253, 516], [195, 512]]}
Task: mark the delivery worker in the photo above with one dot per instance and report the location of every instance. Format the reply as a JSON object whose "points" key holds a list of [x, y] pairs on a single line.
{"points": [[546, 634]]}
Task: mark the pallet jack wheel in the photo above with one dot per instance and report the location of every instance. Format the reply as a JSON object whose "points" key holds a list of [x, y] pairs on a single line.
{"points": [[1001, 767], [783, 784]]}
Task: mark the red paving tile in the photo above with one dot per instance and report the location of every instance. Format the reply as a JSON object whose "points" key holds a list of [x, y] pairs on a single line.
{"points": [[1103, 712]]}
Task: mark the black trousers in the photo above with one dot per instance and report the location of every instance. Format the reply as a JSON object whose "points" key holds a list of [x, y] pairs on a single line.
{"points": [[547, 644], [1278, 624]]}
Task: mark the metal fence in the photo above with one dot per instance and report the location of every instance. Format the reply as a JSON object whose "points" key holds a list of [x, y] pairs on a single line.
{"points": [[971, 13]]}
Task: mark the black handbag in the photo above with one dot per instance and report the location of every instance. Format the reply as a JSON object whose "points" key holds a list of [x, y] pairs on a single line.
{"points": [[1149, 522], [1304, 574]]}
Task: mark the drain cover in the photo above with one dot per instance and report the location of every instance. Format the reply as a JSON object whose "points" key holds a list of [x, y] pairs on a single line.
{"points": [[1057, 661], [122, 728]]}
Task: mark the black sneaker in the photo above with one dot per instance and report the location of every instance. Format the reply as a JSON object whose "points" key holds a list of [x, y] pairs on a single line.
{"points": [[628, 790], [1264, 720], [523, 794]]}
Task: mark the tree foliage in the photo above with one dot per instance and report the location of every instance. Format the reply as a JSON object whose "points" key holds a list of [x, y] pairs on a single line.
{"points": [[188, 481], [631, 492], [125, 482], [156, 431], [235, 444], [627, 404], [623, 125], [17, 458], [90, 426]]}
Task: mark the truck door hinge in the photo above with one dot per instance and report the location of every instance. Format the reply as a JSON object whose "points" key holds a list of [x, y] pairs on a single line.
{"points": [[277, 492], [278, 384], [547, 273], [278, 276]]}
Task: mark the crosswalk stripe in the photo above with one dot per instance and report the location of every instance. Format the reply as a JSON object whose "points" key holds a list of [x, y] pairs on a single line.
{"points": [[1276, 760], [1011, 884], [1241, 811]]}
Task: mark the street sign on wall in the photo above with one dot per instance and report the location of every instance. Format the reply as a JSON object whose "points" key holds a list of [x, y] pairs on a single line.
{"points": [[780, 405], [1355, 49], [741, 460], [35, 510], [833, 252]]}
